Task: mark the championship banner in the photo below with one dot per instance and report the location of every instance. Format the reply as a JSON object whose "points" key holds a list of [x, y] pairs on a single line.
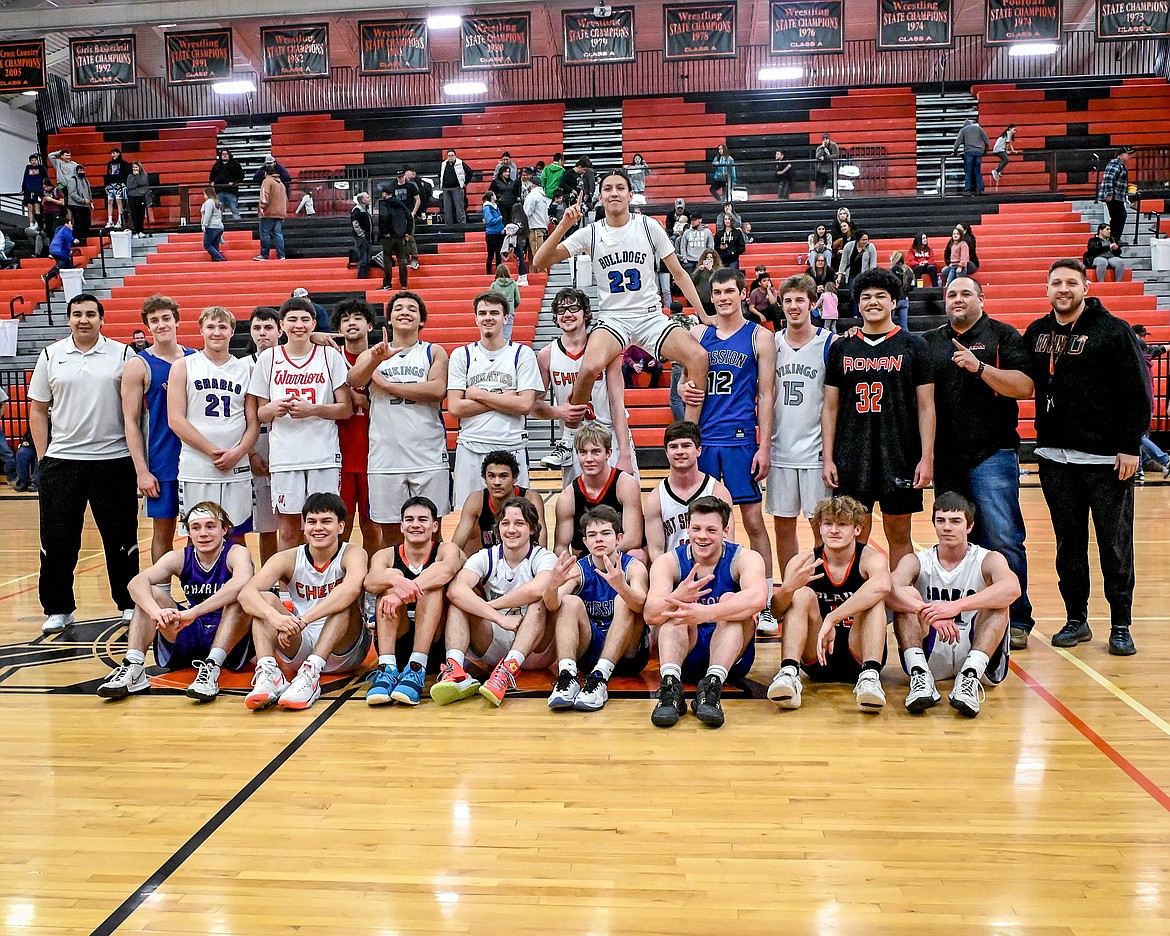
{"points": [[591, 39], [803, 26], [1132, 19], [395, 47], [295, 51], [103, 62], [915, 24], [698, 31], [496, 41], [22, 65], [199, 57]]}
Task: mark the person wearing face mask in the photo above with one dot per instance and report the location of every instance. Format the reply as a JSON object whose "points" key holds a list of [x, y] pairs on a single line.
{"points": [[79, 197], [137, 198]]}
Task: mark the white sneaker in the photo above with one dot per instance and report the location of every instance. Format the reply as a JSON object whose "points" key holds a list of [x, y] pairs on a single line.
{"points": [[127, 615], [205, 686], [560, 456], [767, 626], [55, 623], [128, 678], [923, 693], [268, 685], [995, 174], [870, 695], [414, 264], [523, 280], [304, 690], [785, 688], [595, 694], [967, 695], [565, 691]]}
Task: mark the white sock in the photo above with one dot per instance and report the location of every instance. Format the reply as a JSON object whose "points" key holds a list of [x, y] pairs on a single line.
{"points": [[262, 662], [135, 657], [976, 660], [515, 655], [387, 659], [456, 656], [672, 669], [567, 666], [316, 662], [915, 659], [217, 656], [420, 659], [605, 668], [719, 672], [771, 590]]}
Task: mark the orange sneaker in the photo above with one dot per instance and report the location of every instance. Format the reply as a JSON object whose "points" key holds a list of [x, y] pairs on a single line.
{"points": [[453, 684], [503, 676]]}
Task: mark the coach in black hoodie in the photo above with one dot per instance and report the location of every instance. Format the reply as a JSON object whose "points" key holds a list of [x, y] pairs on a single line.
{"points": [[1092, 409]]}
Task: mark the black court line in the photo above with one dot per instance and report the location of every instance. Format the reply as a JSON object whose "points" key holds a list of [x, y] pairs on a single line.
{"points": [[188, 848]]}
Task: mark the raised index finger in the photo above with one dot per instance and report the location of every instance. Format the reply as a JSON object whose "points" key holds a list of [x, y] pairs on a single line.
{"points": [[385, 339]]}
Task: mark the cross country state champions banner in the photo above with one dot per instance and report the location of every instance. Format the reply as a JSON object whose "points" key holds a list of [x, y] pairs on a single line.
{"points": [[803, 26], [915, 24], [103, 62], [295, 51], [593, 39], [698, 31], [1133, 19], [22, 65], [199, 57], [395, 47], [496, 41]]}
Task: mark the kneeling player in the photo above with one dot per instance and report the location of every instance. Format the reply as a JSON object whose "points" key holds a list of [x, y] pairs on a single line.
{"points": [[952, 606], [597, 604], [211, 632], [410, 581], [704, 595], [497, 614], [835, 620], [324, 632]]}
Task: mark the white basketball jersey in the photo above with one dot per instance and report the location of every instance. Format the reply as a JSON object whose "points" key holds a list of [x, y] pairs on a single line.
{"points": [[625, 262], [406, 435], [310, 584], [301, 444], [262, 441], [497, 578], [938, 584], [563, 369], [215, 408], [800, 396], [675, 510], [512, 367]]}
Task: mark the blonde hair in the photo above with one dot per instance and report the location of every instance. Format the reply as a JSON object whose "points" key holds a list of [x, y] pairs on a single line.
{"points": [[210, 507], [896, 257], [593, 433], [218, 314], [842, 509]]}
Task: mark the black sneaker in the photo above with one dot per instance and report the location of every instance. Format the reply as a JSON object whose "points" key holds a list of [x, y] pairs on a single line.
{"points": [[1073, 633], [705, 704], [671, 704], [1120, 642]]}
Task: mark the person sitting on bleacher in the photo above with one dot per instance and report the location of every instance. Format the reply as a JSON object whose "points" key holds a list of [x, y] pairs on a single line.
{"points": [[923, 258], [61, 250], [1104, 253]]}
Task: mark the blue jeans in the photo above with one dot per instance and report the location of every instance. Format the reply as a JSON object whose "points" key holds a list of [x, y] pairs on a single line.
{"points": [[230, 201], [1150, 450], [972, 172], [7, 459], [211, 240], [677, 408], [26, 464], [902, 314], [271, 232], [950, 272]]}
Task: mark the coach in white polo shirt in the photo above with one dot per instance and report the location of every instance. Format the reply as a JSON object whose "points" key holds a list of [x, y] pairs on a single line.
{"points": [[87, 461]]}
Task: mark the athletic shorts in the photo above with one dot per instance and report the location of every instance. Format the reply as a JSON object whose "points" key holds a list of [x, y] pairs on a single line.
{"points": [[388, 492], [502, 641], [166, 505], [263, 516], [233, 496], [291, 488], [117, 190], [698, 661], [31, 198], [468, 468], [733, 465], [404, 647], [794, 491], [348, 659], [841, 666], [193, 643], [946, 659], [648, 330], [627, 666], [355, 494], [893, 501]]}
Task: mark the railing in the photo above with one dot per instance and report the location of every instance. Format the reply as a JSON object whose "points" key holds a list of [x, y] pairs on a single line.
{"points": [[15, 418]]}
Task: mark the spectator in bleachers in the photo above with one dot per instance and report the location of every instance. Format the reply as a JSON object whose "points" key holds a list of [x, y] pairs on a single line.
{"points": [[536, 204], [857, 257], [1005, 149], [309, 207], [553, 176], [117, 169], [273, 211], [226, 175], [505, 286], [7, 458], [406, 190], [493, 228], [1149, 449], [638, 172], [900, 269], [138, 341], [825, 166], [506, 160], [972, 141], [821, 271], [393, 227], [923, 258], [958, 258], [61, 250], [26, 465], [520, 221], [969, 237], [693, 242], [324, 321], [1104, 253], [821, 235], [454, 174], [784, 175], [701, 276], [636, 361], [722, 174], [847, 236], [53, 210], [837, 228], [1114, 189], [361, 224], [506, 187], [32, 188], [746, 227], [270, 163], [680, 213], [764, 301], [137, 198], [63, 165], [79, 195], [586, 182], [211, 221], [730, 243], [730, 212]]}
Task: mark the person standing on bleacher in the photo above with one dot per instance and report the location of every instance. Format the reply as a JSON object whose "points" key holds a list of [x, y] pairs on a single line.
{"points": [[1114, 189], [973, 142]]}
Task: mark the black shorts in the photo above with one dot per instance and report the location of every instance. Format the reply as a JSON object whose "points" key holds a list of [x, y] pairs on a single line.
{"points": [[892, 500], [841, 666], [31, 198]]}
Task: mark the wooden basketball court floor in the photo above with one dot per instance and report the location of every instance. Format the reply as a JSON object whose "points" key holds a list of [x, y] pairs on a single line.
{"points": [[1047, 815]]}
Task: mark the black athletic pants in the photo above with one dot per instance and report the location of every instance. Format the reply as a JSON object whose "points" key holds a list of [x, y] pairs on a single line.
{"points": [[1117, 215], [109, 487]]}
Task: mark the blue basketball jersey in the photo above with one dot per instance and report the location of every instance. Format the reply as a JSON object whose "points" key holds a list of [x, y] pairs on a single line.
{"points": [[199, 583], [162, 445], [729, 410], [596, 592], [723, 583]]}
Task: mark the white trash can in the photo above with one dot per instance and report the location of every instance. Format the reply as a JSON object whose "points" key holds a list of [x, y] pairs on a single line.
{"points": [[582, 271], [120, 242], [1160, 253], [72, 283]]}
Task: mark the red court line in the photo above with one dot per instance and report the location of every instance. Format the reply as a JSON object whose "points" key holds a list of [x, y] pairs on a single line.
{"points": [[1155, 791]]}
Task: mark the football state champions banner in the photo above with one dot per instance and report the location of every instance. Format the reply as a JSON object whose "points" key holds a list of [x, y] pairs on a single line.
{"points": [[496, 41], [915, 24], [1133, 19], [1010, 21], [199, 57], [396, 47], [295, 51], [22, 65], [806, 26], [593, 39], [699, 30], [103, 62]]}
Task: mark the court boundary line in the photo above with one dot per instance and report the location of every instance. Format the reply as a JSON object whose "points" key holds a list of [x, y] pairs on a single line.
{"points": [[148, 887]]}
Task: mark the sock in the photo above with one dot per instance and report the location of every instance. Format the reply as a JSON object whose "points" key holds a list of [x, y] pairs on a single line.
{"points": [[135, 657], [217, 656], [456, 657], [387, 659], [316, 662], [771, 592], [719, 672], [518, 657], [567, 666], [977, 662], [262, 662], [672, 669], [605, 668], [793, 665], [418, 661], [915, 658], [871, 665]]}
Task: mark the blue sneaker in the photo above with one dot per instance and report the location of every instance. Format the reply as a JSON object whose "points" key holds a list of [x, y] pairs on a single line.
{"points": [[410, 686], [382, 683]]}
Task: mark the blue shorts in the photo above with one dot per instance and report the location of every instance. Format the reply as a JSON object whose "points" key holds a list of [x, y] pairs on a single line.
{"points": [[194, 643], [732, 464], [626, 666], [166, 505], [695, 666]]}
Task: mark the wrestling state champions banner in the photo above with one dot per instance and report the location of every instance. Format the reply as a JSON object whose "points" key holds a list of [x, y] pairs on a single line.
{"points": [[300, 51], [915, 24], [593, 39], [199, 57], [699, 31], [805, 26], [503, 41], [396, 47]]}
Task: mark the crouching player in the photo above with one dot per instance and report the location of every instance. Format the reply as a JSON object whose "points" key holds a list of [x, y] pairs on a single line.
{"points": [[410, 582], [597, 602], [324, 632], [210, 632], [951, 605]]}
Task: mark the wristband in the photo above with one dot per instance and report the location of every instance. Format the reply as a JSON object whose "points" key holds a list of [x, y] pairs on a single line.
{"points": [[982, 368]]}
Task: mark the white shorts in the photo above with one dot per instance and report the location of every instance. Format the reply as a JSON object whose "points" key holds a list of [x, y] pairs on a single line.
{"points": [[388, 492], [572, 472], [349, 659], [469, 465], [502, 641], [290, 488], [233, 496], [793, 491], [646, 329], [946, 659], [263, 516]]}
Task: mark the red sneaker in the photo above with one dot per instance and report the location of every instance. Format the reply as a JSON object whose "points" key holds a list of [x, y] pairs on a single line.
{"points": [[453, 684], [503, 676]]}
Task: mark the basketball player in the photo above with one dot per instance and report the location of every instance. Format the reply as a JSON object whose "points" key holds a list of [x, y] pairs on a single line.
{"points": [[668, 505], [264, 329], [833, 600], [626, 252], [879, 402], [353, 319], [952, 609], [407, 380], [491, 387], [209, 409], [497, 610], [301, 389], [210, 631], [704, 596], [559, 364], [477, 521], [598, 484], [410, 582], [325, 631], [154, 447], [596, 603]]}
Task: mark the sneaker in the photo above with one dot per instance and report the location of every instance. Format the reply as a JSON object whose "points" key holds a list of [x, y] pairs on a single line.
{"points": [[522, 281], [205, 686], [560, 456], [995, 174], [259, 258], [127, 679], [870, 695], [923, 692], [671, 705], [1120, 642], [55, 623], [967, 695], [1166, 470], [785, 688], [595, 694], [304, 690], [127, 615], [767, 625], [20, 487], [410, 685], [565, 692], [706, 704], [1073, 633], [1018, 637], [453, 684], [503, 676], [382, 683], [268, 685], [414, 264]]}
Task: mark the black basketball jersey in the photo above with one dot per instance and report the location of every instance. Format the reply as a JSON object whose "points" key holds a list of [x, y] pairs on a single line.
{"points": [[407, 572], [830, 594], [487, 518], [582, 504]]}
